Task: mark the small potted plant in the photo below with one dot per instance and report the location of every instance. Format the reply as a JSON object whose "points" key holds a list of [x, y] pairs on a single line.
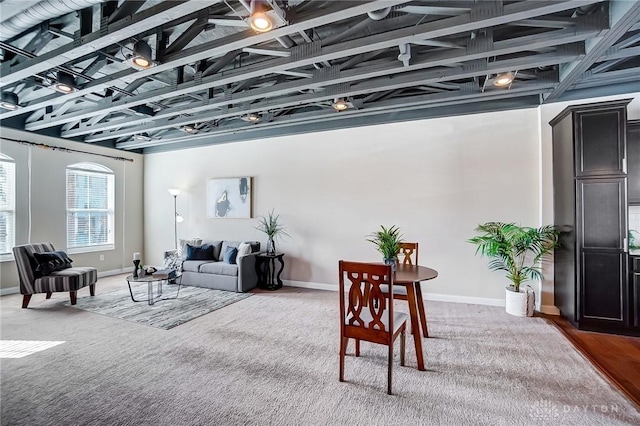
{"points": [[519, 252], [271, 226], [387, 241]]}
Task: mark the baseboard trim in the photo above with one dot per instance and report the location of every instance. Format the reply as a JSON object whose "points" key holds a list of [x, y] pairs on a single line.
{"points": [[15, 290], [9, 290], [436, 297], [550, 310]]}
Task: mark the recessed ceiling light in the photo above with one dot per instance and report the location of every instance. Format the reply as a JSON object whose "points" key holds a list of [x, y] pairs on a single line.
{"points": [[259, 20], [339, 105], [9, 100], [504, 79], [141, 58], [65, 83], [188, 128]]}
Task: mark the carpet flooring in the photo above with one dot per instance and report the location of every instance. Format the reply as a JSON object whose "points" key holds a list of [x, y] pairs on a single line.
{"points": [[173, 308], [273, 360]]}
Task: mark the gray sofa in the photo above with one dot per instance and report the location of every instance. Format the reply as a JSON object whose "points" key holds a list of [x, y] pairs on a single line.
{"points": [[216, 274]]}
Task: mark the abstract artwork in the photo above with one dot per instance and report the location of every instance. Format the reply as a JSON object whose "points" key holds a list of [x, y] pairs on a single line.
{"points": [[229, 197]]}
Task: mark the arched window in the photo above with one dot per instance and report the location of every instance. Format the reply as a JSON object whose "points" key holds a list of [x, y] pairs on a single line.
{"points": [[90, 207], [7, 204]]}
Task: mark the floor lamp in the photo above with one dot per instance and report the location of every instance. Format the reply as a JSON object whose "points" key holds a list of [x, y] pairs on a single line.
{"points": [[177, 217]]}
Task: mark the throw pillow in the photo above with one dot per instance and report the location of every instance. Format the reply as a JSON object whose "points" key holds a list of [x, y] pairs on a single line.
{"points": [[244, 249], [230, 255], [172, 261], [204, 252], [50, 261], [182, 246]]}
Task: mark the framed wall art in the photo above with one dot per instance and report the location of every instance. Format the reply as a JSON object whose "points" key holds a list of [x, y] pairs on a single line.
{"points": [[229, 197]]}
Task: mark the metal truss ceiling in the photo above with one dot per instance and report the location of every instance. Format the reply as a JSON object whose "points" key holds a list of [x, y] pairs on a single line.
{"points": [[216, 80]]}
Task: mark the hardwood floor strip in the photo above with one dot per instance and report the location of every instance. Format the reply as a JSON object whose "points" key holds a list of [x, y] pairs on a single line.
{"points": [[616, 357]]}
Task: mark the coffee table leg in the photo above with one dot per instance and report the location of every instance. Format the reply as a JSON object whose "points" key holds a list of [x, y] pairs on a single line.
{"points": [[150, 288], [415, 325]]}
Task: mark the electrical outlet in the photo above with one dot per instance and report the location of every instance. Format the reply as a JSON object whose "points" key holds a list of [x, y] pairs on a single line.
{"points": [[102, 257]]}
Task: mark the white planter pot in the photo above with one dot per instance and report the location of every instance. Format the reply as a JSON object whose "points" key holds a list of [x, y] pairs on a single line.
{"points": [[520, 304]]}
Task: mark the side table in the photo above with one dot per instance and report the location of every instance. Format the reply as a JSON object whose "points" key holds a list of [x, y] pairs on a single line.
{"points": [[268, 278]]}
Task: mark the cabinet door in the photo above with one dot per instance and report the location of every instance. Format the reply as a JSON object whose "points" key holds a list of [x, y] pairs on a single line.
{"points": [[635, 300], [602, 271], [600, 142], [633, 162]]}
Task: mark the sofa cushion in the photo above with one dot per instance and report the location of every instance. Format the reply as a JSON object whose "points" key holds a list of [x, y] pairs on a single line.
{"points": [[244, 249], [217, 248], [50, 261], [230, 255], [219, 268], [204, 252], [194, 265]]}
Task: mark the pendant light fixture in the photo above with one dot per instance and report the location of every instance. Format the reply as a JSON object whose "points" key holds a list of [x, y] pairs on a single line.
{"points": [[65, 83], [141, 58], [9, 100], [259, 20], [504, 79], [339, 104]]}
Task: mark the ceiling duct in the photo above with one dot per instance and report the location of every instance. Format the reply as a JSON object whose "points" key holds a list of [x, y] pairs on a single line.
{"points": [[377, 15], [38, 13]]}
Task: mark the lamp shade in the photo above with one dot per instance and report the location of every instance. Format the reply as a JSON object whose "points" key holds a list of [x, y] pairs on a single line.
{"points": [[174, 192]]}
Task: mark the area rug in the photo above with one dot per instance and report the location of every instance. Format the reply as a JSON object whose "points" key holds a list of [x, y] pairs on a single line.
{"points": [[168, 312]]}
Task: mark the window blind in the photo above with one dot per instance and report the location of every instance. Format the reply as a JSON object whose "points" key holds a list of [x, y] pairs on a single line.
{"points": [[90, 207], [7, 205]]}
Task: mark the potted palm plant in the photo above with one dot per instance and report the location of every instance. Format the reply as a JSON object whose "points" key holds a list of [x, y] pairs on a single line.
{"points": [[518, 251], [271, 226], [387, 242]]}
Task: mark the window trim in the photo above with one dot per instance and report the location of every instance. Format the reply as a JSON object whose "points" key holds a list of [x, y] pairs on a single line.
{"points": [[88, 168], [8, 256]]}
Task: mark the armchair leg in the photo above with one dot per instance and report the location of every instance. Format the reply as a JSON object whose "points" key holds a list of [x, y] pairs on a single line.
{"points": [[72, 296], [25, 300], [49, 295], [92, 289]]}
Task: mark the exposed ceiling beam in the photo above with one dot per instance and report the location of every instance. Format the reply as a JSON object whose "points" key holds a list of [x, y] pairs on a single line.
{"points": [[623, 15], [479, 18], [366, 86], [559, 37], [335, 11], [97, 40]]}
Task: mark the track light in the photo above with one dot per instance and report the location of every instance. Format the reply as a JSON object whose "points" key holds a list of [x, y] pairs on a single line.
{"points": [[9, 100], [141, 137], [252, 117], [259, 20], [504, 79], [339, 104], [141, 58], [66, 83]]}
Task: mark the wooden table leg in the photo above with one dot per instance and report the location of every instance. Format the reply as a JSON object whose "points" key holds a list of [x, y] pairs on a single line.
{"points": [[415, 326], [421, 310]]}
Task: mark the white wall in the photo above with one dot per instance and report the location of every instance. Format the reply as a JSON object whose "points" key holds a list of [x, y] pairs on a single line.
{"points": [[436, 179], [48, 208]]}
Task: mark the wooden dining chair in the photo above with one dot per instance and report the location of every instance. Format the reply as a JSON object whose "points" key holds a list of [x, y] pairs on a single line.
{"points": [[366, 313], [408, 255]]}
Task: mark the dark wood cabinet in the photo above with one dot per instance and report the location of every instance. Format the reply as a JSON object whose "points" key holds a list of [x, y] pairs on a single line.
{"points": [[633, 161], [634, 266], [591, 278]]}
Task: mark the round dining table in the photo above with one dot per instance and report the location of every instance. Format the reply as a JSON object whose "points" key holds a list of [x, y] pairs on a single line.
{"points": [[410, 276]]}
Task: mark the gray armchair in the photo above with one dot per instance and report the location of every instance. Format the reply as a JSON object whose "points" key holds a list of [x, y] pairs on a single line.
{"points": [[68, 279]]}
